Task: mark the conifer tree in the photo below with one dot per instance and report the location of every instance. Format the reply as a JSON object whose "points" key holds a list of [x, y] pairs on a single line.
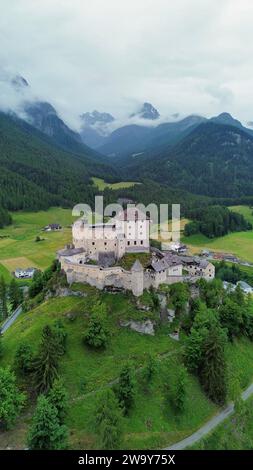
{"points": [[126, 389], [180, 390], [58, 397], [213, 368], [45, 365], [97, 335], [46, 432], [15, 294], [11, 399], [108, 421], [23, 358], [3, 299]]}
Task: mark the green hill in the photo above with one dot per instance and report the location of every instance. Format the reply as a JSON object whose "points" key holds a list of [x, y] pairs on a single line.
{"points": [[152, 423], [35, 174], [214, 160]]}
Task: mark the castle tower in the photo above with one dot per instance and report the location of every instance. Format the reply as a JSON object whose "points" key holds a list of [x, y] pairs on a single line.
{"points": [[137, 272]]}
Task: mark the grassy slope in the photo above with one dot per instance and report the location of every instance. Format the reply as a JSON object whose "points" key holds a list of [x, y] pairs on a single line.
{"points": [[230, 435], [20, 248], [101, 184], [238, 243], [152, 423]]}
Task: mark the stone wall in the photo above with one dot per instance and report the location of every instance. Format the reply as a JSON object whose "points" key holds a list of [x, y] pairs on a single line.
{"points": [[115, 276]]}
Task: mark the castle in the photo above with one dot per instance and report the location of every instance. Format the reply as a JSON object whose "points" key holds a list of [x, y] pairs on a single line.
{"points": [[97, 248]]}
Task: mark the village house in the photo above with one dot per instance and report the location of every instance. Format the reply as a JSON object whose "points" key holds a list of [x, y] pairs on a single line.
{"points": [[52, 228], [24, 273], [198, 267]]}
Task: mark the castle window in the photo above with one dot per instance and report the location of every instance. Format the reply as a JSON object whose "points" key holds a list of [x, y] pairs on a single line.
{"points": [[128, 243], [93, 243], [105, 243], [141, 242], [135, 242]]}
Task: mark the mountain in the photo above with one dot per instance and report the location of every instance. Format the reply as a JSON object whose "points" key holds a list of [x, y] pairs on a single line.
{"points": [[35, 173], [44, 117], [90, 119], [131, 140], [214, 160], [227, 119], [147, 111], [94, 128]]}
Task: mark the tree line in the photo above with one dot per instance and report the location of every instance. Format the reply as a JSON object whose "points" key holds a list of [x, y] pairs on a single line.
{"points": [[215, 221]]}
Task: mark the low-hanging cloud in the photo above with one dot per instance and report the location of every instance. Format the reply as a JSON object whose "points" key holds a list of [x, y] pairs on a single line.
{"points": [[184, 57]]}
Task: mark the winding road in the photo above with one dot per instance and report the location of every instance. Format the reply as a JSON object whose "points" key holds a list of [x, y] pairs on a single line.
{"points": [[10, 320], [210, 425]]}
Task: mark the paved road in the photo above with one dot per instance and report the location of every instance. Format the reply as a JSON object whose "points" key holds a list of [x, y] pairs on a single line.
{"points": [[210, 425], [6, 325]]}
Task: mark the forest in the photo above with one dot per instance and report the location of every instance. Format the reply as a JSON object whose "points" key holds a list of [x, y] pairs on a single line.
{"points": [[215, 221]]}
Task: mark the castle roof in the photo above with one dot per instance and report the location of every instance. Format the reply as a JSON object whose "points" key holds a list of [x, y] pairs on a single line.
{"points": [[71, 251], [137, 266], [166, 262]]}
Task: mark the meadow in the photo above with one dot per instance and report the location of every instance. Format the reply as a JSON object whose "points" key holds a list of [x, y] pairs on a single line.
{"points": [[237, 243], [101, 184], [152, 423], [20, 250]]}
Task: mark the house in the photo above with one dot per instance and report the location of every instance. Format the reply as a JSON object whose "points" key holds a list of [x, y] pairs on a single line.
{"points": [[52, 228], [246, 288], [27, 273], [198, 267], [177, 247], [228, 286]]}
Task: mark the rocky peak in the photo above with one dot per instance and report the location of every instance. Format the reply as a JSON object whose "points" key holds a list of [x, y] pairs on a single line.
{"points": [[91, 119], [147, 111]]}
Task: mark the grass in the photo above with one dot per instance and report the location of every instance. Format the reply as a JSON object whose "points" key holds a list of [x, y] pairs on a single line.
{"points": [[237, 243], [152, 423], [233, 434], [128, 260], [101, 184], [84, 371], [19, 248], [246, 211]]}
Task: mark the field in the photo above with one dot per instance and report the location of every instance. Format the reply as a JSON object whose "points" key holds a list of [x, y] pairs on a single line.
{"points": [[237, 243], [101, 184], [152, 423], [19, 250]]}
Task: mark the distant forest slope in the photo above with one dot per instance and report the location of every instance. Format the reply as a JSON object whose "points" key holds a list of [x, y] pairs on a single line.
{"points": [[214, 160], [34, 174]]}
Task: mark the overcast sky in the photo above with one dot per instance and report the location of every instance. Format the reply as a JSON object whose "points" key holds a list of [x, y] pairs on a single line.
{"points": [[185, 56]]}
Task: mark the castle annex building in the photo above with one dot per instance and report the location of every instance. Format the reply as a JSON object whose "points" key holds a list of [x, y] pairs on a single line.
{"points": [[97, 248]]}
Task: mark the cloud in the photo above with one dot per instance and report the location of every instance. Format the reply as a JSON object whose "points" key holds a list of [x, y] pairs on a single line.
{"points": [[184, 57]]}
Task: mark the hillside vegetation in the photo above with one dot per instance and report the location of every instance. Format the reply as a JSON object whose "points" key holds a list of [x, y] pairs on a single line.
{"points": [[153, 421], [35, 174]]}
